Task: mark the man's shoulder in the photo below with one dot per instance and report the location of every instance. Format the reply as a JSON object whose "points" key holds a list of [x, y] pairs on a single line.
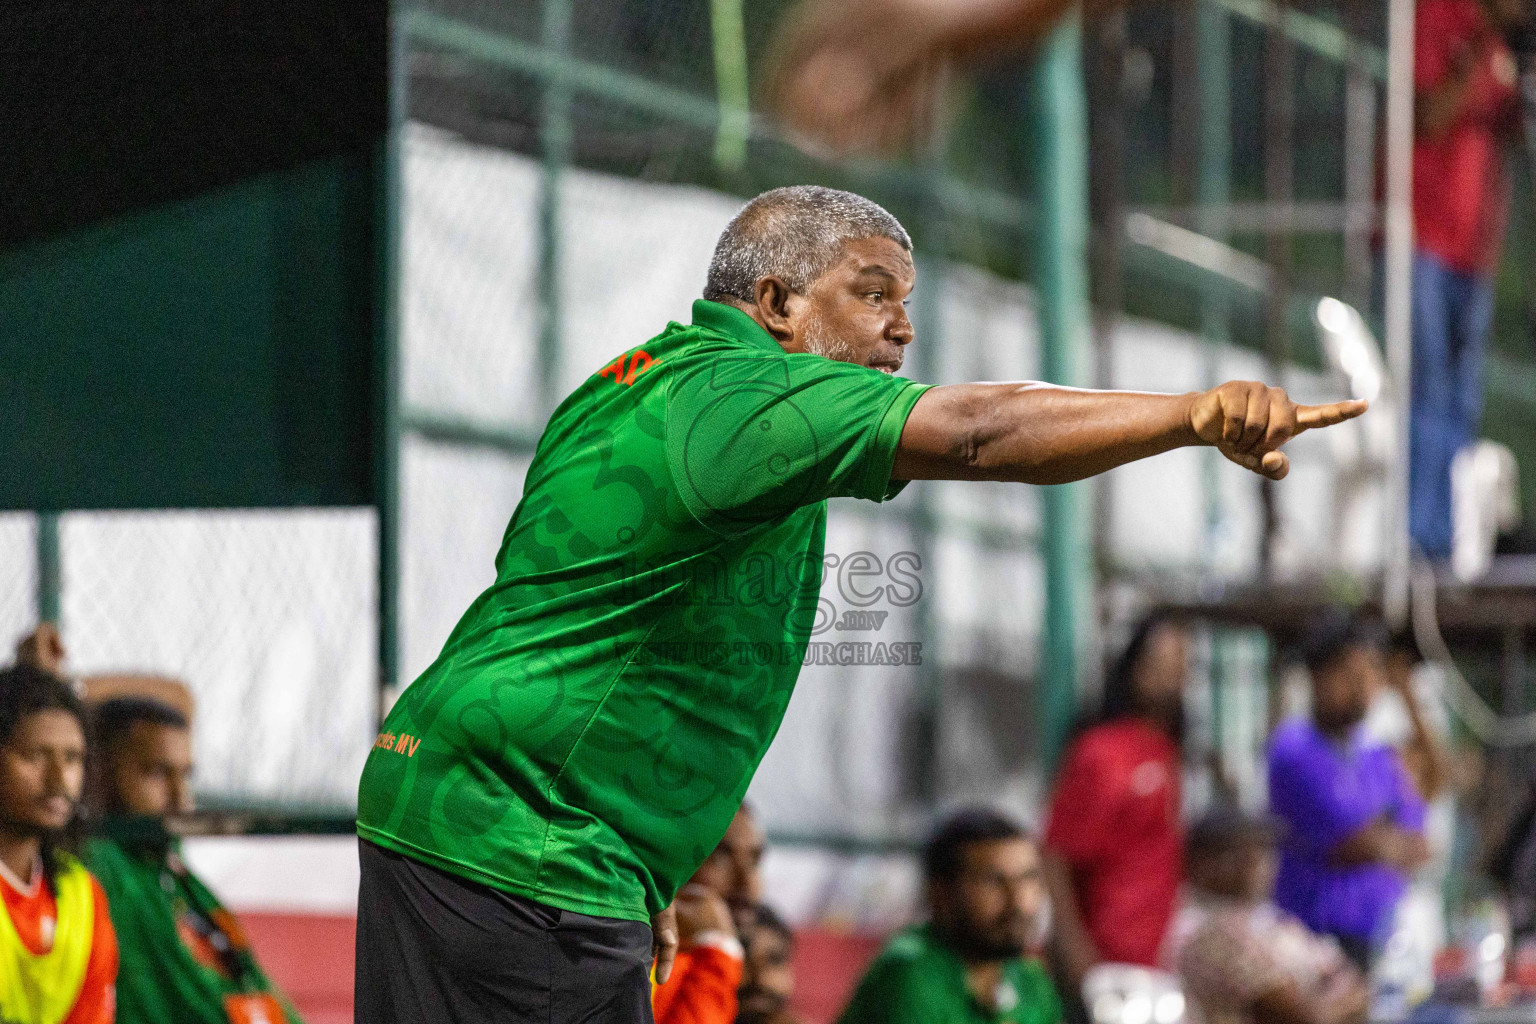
{"points": [[911, 972], [1293, 738], [114, 867], [912, 951], [1129, 740], [679, 348]]}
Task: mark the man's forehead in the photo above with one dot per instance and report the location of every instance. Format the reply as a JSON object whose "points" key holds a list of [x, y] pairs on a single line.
{"points": [[878, 255], [744, 831], [988, 853], [146, 732]]}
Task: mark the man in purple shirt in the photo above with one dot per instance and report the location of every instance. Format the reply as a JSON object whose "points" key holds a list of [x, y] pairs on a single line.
{"points": [[1355, 824]]}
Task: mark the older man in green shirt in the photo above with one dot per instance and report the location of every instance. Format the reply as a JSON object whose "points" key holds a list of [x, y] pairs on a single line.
{"points": [[535, 799], [986, 898]]}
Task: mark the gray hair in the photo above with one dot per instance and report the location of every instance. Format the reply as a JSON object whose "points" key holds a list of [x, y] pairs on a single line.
{"points": [[795, 234]]}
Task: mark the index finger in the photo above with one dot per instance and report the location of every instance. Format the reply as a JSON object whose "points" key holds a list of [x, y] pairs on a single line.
{"points": [[1309, 416]]}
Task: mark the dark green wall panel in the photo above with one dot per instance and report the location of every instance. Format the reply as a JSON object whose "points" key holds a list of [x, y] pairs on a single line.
{"points": [[213, 352]]}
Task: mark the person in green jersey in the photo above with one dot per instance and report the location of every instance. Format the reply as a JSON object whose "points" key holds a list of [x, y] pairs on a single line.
{"points": [[536, 797], [183, 956], [986, 898]]}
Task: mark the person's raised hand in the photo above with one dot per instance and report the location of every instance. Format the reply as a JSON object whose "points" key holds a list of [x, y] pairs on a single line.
{"points": [[857, 76], [43, 648], [664, 943], [699, 910], [1248, 422]]}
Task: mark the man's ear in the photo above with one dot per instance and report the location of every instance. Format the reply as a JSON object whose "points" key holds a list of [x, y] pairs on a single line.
{"points": [[772, 297]]}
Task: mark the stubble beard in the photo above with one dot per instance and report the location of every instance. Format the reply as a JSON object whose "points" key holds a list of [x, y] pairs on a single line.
{"points": [[821, 342]]}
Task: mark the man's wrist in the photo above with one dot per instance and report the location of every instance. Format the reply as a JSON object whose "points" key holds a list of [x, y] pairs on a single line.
{"points": [[1187, 403], [719, 938]]}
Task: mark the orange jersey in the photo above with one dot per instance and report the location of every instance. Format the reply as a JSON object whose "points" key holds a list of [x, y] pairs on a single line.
{"points": [[701, 989], [34, 913]]}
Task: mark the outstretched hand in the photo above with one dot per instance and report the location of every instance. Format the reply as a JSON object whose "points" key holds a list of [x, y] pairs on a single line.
{"points": [[1248, 422]]}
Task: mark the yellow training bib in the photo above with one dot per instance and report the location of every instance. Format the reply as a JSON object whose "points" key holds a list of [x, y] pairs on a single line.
{"points": [[43, 989]]}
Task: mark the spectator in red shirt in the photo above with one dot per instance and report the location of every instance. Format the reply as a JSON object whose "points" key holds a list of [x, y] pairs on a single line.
{"points": [[1466, 111], [1113, 845]]}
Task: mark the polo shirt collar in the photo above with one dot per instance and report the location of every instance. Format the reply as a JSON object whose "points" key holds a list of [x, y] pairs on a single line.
{"points": [[729, 320]]}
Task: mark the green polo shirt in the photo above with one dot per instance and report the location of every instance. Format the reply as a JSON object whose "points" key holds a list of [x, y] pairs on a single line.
{"points": [[153, 899], [916, 979], [593, 720]]}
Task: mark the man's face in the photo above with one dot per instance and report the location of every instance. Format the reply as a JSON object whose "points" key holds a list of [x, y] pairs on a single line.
{"points": [[1243, 870], [1161, 670], [856, 311], [42, 768], [1342, 689], [767, 978], [151, 771], [732, 871], [990, 909]]}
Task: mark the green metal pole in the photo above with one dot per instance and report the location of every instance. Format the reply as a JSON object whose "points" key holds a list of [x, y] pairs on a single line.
{"points": [[388, 482], [1213, 189], [49, 577], [1061, 279], [555, 142], [731, 84]]}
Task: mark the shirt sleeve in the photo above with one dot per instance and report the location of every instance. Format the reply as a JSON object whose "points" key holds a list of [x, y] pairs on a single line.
{"points": [[97, 1002], [1305, 790], [701, 990], [1081, 814], [752, 436]]}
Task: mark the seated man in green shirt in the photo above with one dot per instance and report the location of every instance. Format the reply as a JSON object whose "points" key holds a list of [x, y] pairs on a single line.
{"points": [[183, 956], [986, 898]]}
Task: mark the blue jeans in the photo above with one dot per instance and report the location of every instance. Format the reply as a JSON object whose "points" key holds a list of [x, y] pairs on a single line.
{"points": [[1452, 314]]}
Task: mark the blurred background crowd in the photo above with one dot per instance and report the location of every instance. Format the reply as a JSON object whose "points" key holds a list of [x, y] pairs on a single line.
{"points": [[287, 300]]}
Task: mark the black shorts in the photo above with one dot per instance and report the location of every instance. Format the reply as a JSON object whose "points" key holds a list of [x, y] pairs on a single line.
{"points": [[434, 948]]}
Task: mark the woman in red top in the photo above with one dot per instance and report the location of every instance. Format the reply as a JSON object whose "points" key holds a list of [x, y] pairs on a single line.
{"points": [[58, 953], [1114, 848]]}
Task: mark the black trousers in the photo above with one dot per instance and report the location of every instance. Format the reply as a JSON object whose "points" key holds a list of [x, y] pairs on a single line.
{"points": [[434, 948]]}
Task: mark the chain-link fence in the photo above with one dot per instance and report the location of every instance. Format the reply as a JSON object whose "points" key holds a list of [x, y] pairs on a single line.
{"points": [[562, 193], [18, 576], [563, 182], [268, 617]]}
